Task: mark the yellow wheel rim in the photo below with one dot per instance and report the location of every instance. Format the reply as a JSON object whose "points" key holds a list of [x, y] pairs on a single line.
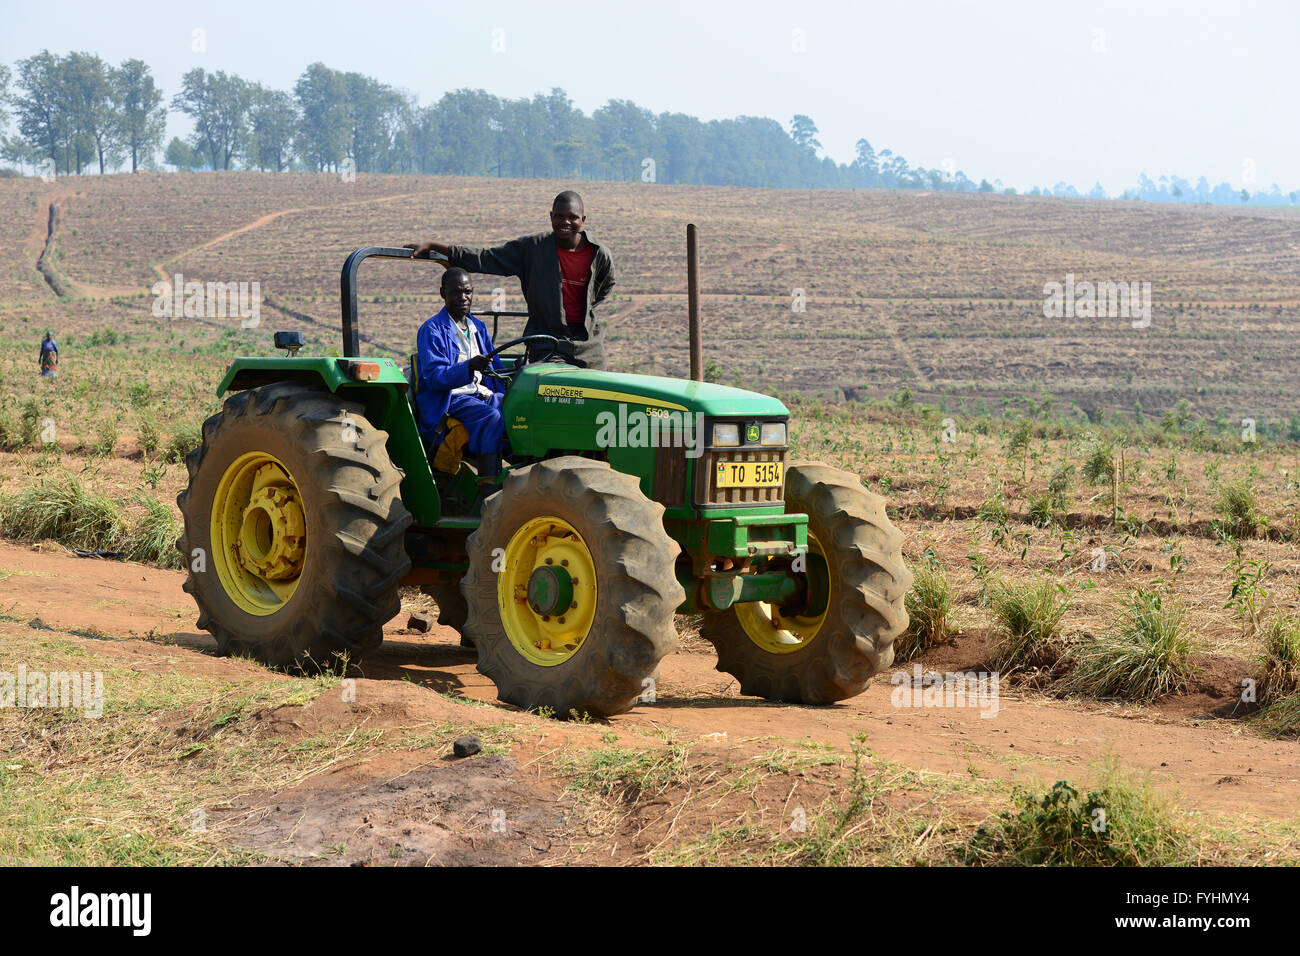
{"points": [[776, 633], [546, 590], [258, 533]]}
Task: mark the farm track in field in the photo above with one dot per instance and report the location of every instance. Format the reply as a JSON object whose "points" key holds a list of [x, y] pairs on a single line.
{"points": [[1210, 763]]}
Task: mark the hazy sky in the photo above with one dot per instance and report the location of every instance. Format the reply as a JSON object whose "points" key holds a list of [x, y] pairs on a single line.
{"points": [[1030, 92]]}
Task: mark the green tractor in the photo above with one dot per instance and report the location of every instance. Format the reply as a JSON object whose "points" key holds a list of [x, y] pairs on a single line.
{"points": [[622, 500]]}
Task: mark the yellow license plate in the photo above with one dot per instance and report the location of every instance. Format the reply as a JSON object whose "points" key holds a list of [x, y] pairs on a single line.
{"points": [[748, 474]]}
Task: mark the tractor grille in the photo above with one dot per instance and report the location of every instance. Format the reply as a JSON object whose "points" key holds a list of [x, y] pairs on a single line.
{"points": [[670, 476], [706, 470]]}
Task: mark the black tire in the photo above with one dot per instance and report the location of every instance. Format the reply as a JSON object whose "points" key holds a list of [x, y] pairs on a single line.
{"points": [[865, 613], [452, 609], [354, 552], [637, 590]]}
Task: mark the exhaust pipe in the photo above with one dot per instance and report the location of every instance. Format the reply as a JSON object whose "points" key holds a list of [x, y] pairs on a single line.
{"points": [[693, 303]]}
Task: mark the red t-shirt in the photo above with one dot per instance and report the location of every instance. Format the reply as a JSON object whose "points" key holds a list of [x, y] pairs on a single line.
{"points": [[575, 274]]}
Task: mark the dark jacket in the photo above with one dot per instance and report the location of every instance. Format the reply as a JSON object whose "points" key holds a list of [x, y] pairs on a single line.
{"points": [[441, 370], [534, 261]]}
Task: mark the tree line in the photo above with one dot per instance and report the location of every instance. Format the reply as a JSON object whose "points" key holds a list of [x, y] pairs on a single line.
{"points": [[77, 113]]}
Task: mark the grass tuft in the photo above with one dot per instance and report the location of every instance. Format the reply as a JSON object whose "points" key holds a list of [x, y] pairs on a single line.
{"points": [[65, 511], [1238, 508], [1029, 617], [1145, 654], [185, 439], [1280, 718], [153, 538], [931, 612], [1280, 659]]}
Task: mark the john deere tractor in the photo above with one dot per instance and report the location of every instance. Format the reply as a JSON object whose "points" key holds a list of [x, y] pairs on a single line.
{"points": [[622, 500]]}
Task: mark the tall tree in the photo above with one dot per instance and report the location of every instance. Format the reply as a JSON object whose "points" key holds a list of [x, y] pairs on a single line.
{"points": [[804, 132], [42, 108], [91, 103], [5, 76], [141, 117], [218, 104], [865, 164], [324, 127], [457, 134], [182, 155], [626, 135], [371, 112], [272, 120]]}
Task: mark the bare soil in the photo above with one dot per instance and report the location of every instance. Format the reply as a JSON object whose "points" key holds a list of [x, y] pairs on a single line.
{"points": [[408, 807]]}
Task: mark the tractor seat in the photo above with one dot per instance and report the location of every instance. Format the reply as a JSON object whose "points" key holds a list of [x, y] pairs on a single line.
{"points": [[446, 458]]}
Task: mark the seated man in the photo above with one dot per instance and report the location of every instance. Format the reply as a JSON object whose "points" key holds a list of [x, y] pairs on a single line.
{"points": [[452, 349]]}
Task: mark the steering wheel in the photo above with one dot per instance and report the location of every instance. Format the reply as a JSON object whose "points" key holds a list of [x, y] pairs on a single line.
{"points": [[522, 340]]}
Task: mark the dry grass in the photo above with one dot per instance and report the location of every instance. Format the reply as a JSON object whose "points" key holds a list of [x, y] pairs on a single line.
{"points": [[1029, 617], [931, 612], [1145, 654]]}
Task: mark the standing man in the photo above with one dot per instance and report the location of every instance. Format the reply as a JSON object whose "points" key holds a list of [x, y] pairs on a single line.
{"points": [[49, 356], [565, 276]]}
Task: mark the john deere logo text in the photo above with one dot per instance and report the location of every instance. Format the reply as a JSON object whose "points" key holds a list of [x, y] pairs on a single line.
{"points": [[751, 433], [561, 391]]}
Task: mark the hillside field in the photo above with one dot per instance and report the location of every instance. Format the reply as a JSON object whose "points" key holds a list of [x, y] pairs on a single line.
{"points": [[1110, 464]]}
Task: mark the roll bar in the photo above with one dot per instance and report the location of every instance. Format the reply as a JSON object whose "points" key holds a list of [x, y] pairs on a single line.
{"points": [[348, 289], [348, 293]]}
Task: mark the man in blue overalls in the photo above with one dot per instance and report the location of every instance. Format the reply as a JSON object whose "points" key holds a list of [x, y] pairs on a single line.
{"points": [[452, 353]]}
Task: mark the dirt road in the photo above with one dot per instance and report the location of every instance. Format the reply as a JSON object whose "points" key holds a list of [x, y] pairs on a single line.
{"points": [[1213, 765]]}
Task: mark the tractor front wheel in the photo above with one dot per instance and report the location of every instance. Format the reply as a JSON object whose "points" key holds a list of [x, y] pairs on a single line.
{"points": [[841, 633], [571, 588]]}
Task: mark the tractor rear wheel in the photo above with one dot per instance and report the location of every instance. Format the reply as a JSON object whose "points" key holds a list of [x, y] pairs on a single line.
{"points": [[571, 588], [829, 647], [293, 528]]}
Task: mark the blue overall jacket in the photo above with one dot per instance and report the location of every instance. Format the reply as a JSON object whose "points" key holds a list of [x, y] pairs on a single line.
{"points": [[440, 369]]}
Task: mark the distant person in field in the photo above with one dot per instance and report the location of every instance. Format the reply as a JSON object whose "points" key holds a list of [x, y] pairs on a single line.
{"points": [[451, 355], [565, 277], [49, 356]]}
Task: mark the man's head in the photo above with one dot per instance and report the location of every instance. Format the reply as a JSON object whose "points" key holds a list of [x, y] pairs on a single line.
{"points": [[568, 218], [457, 292]]}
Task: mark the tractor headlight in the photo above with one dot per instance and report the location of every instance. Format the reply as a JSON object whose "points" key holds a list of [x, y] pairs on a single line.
{"points": [[726, 435], [773, 434]]}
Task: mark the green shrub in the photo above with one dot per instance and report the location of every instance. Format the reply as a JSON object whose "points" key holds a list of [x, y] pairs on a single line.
{"points": [[1145, 654], [1042, 511], [140, 395], [994, 509], [1098, 462], [1029, 619], [184, 440], [29, 432], [105, 441], [1118, 824], [148, 432], [1021, 436], [11, 435]]}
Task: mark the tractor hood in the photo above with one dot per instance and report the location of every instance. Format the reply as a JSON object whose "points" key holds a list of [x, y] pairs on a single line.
{"points": [[675, 394]]}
